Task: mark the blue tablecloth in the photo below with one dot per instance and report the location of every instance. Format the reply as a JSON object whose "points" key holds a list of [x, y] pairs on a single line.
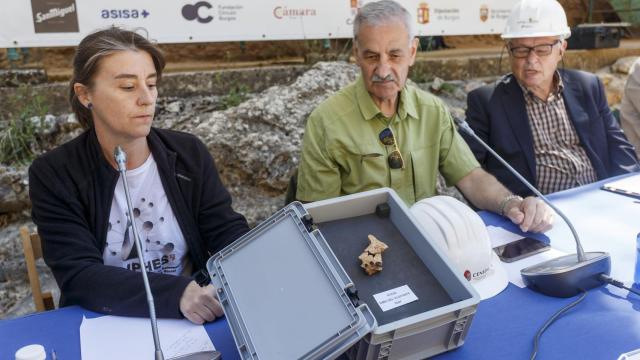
{"points": [[604, 325], [60, 330]]}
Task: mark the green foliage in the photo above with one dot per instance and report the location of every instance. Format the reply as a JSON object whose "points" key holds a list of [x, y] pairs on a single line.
{"points": [[448, 88], [234, 97], [19, 143]]}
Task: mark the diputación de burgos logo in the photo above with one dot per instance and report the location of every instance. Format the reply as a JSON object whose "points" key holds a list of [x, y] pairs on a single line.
{"points": [[484, 13], [282, 12], [200, 11], [423, 13], [354, 5], [54, 16]]}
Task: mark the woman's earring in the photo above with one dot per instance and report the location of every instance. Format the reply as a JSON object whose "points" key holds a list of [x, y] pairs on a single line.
{"points": [[89, 106]]}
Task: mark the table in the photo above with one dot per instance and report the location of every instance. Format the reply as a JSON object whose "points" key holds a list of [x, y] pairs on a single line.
{"points": [[60, 330], [604, 325]]}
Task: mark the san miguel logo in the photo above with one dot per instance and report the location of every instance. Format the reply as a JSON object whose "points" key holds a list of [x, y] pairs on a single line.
{"points": [[423, 13], [54, 16], [484, 13], [281, 12]]}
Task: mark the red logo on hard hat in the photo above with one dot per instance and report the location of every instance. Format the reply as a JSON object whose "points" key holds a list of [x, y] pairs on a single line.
{"points": [[467, 275]]}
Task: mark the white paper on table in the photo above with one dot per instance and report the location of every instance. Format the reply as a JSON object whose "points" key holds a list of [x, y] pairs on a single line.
{"points": [[393, 298], [116, 337], [500, 236], [513, 269]]}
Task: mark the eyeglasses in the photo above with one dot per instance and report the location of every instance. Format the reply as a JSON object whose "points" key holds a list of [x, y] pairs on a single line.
{"points": [[521, 52], [394, 159]]}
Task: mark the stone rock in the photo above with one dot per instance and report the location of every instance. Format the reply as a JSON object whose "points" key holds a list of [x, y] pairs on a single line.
{"points": [[436, 84], [256, 144], [15, 78], [50, 132], [472, 85], [218, 82], [174, 107], [14, 192], [15, 291], [615, 90], [623, 65], [614, 86]]}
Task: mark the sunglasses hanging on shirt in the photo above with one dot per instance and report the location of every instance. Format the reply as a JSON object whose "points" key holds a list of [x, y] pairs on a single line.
{"points": [[394, 159]]}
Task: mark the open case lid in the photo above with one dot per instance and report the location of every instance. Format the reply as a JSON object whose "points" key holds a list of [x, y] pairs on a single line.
{"points": [[284, 293]]}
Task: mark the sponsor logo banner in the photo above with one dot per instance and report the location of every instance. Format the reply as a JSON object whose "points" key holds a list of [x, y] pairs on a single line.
{"points": [[54, 16], [66, 22]]}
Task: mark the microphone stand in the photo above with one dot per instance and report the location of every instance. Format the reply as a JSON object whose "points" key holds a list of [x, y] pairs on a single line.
{"points": [[564, 276], [121, 160]]}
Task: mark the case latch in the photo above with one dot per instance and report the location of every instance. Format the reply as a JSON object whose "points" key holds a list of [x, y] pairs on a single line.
{"points": [[307, 221], [353, 296]]}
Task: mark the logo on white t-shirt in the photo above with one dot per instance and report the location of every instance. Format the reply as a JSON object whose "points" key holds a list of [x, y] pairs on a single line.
{"points": [[163, 245]]}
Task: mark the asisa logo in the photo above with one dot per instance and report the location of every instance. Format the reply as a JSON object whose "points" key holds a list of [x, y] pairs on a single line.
{"points": [[124, 14]]}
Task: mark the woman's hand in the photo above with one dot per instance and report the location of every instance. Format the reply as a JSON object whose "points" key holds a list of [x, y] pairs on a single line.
{"points": [[200, 304]]}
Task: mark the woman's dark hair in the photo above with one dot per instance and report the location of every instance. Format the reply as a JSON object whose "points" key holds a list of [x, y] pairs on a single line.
{"points": [[97, 46]]}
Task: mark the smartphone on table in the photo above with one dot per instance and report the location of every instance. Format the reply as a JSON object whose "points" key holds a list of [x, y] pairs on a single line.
{"points": [[520, 249]]}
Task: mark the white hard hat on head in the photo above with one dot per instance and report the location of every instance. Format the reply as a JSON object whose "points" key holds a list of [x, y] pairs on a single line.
{"points": [[536, 18], [461, 233]]}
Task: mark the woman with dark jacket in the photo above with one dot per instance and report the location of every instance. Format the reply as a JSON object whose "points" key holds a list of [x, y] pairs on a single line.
{"points": [[181, 209]]}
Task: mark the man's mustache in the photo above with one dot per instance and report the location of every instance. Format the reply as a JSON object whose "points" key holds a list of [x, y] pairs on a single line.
{"points": [[375, 78]]}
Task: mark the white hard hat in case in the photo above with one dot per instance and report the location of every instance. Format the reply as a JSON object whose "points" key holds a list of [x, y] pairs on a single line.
{"points": [[536, 18], [463, 236]]}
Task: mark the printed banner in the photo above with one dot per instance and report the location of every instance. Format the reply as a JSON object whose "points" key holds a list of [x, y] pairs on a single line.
{"points": [[31, 23]]}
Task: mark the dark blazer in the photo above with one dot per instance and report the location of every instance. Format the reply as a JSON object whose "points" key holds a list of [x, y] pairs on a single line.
{"points": [[71, 189], [498, 115]]}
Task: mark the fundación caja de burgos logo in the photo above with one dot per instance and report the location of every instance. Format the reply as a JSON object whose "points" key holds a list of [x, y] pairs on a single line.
{"points": [[54, 16]]}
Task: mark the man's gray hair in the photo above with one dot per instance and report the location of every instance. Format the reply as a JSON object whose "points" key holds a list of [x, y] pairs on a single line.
{"points": [[382, 13]]}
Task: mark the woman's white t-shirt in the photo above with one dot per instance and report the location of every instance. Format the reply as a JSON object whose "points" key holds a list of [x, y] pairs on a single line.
{"points": [[163, 245]]}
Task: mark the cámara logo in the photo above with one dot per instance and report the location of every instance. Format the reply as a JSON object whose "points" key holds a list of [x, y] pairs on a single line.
{"points": [[192, 12], [281, 12]]}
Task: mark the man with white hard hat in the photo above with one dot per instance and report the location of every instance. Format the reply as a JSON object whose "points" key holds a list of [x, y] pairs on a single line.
{"points": [[552, 125]]}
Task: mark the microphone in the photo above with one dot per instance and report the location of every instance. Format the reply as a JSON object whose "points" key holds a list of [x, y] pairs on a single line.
{"points": [[121, 160], [566, 275]]}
